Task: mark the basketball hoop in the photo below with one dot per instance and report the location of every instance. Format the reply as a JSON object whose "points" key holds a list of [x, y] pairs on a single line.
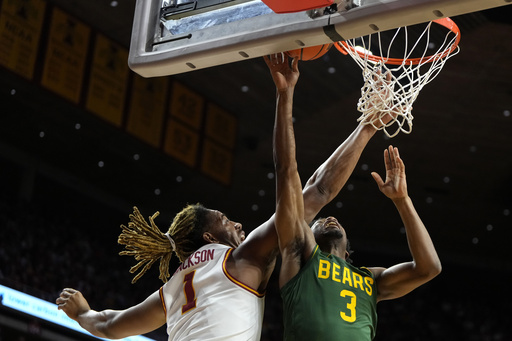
{"points": [[391, 85]]}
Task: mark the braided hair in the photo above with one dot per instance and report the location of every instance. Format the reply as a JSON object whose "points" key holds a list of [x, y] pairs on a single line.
{"points": [[148, 244]]}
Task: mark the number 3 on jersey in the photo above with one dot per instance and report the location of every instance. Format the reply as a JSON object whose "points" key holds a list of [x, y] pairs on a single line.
{"points": [[350, 315], [189, 291]]}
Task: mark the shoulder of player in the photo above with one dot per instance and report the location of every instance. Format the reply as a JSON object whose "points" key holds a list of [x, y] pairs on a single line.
{"points": [[376, 271], [260, 247]]}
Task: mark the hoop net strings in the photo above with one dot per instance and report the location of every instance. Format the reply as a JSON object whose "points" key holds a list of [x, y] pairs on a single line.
{"points": [[396, 95]]}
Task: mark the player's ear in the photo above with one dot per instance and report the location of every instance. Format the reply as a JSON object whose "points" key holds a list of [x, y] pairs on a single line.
{"points": [[209, 238], [347, 255]]}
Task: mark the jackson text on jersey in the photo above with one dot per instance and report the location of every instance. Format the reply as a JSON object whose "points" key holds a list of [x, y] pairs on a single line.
{"points": [[196, 258]]}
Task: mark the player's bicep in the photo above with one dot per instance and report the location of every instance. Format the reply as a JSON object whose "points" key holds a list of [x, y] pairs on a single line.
{"points": [[396, 281], [314, 201]]}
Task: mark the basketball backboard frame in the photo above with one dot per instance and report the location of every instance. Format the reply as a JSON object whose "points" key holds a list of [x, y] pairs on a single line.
{"points": [[155, 51]]}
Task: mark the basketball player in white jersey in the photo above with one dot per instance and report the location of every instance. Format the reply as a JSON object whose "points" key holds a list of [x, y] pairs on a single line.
{"points": [[218, 290]]}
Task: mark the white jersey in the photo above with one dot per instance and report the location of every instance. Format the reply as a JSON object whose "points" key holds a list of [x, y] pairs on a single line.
{"points": [[203, 302]]}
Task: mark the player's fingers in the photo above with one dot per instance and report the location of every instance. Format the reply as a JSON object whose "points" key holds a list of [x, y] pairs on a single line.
{"points": [[392, 155], [295, 64], [399, 161], [61, 301], [388, 76], [69, 291], [277, 58], [387, 161], [377, 179], [273, 59], [397, 158]]}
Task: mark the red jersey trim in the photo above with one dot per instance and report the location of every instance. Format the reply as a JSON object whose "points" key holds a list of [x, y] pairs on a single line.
{"points": [[161, 291], [234, 280]]}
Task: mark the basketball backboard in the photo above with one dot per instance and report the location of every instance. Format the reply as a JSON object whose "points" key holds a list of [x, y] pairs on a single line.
{"points": [[175, 36]]}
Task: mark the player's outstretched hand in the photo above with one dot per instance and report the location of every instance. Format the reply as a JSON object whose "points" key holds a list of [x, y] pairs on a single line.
{"points": [[395, 186], [284, 75]]}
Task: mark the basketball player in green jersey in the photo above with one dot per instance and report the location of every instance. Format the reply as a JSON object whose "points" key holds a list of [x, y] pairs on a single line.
{"points": [[324, 296]]}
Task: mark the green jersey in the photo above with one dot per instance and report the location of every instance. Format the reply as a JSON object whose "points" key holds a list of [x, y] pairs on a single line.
{"points": [[329, 299]]}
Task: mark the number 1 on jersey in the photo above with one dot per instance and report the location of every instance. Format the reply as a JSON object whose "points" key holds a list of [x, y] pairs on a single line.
{"points": [[189, 291]]}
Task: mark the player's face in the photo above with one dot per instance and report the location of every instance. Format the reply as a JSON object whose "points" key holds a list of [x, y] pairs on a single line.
{"points": [[330, 234], [224, 230]]}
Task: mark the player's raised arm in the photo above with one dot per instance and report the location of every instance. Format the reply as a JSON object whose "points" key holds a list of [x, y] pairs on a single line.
{"points": [[113, 324], [295, 237], [327, 181], [401, 279], [289, 201]]}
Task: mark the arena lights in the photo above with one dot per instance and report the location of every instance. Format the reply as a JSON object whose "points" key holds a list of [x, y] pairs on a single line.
{"points": [[44, 310]]}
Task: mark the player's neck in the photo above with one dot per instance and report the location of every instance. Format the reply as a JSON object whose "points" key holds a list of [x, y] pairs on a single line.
{"points": [[334, 250]]}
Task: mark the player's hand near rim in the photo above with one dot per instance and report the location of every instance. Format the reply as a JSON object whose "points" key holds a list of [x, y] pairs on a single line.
{"points": [[285, 78], [381, 98]]}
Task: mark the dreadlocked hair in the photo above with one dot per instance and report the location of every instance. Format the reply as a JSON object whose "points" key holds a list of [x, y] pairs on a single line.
{"points": [[187, 230], [148, 244]]}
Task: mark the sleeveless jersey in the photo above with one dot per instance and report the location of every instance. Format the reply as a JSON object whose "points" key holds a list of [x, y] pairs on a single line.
{"points": [[203, 302], [329, 299]]}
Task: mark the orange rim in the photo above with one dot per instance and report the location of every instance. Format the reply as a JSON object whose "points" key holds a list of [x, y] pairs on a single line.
{"points": [[446, 22]]}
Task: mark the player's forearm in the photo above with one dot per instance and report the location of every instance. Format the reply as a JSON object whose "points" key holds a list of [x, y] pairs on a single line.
{"points": [[97, 323], [422, 249], [327, 181], [284, 138], [289, 201]]}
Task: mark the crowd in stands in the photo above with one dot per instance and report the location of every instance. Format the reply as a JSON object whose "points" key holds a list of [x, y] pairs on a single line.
{"points": [[46, 245]]}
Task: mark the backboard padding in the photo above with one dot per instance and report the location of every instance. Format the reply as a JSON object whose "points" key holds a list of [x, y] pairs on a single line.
{"points": [[154, 51]]}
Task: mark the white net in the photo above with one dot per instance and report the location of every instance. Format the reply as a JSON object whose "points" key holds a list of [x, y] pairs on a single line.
{"points": [[391, 85]]}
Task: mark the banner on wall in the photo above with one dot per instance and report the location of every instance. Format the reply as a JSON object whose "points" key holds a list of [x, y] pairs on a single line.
{"points": [[181, 142], [147, 108], [66, 53], [220, 126], [217, 162], [186, 105], [108, 81], [20, 34]]}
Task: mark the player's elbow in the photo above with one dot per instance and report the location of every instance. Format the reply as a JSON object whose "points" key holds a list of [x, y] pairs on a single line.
{"points": [[286, 169], [427, 273], [104, 326], [436, 269], [320, 190]]}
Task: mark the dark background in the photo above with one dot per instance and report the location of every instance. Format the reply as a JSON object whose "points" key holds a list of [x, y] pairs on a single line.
{"points": [[61, 212]]}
